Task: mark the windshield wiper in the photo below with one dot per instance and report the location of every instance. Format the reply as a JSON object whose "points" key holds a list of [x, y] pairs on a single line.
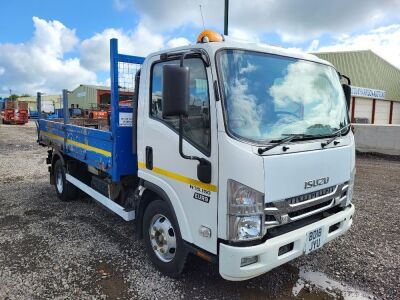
{"points": [[337, 133], [290, 137]]}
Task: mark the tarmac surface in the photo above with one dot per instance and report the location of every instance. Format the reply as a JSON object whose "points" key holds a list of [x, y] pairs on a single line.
{"points": [[52, 249]]}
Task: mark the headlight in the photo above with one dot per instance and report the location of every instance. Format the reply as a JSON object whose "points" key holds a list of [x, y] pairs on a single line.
{"points": [[245, 228], [351, 187], [245, 212]]}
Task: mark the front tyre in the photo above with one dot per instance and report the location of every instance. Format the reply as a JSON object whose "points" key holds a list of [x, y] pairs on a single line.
{"points": [[163, 240], [65, 190]]}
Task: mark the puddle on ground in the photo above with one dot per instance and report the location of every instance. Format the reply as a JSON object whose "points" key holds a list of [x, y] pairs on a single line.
{"points": [[328, 285], [310, 286], [109, 281]]}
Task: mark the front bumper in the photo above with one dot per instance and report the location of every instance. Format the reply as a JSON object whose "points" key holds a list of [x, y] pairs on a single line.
{"points": [[230, 256]]}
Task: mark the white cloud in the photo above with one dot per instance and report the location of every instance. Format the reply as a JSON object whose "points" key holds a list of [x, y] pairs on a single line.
{"points": [[385, 41], [292, 20], [39, 64], [53, 36], [243, 35], [178, 42], [95, 51], [313, 46], [166, 15], [120, 4]]}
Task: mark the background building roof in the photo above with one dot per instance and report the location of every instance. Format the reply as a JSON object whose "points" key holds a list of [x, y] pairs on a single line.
{"points": [[366, 69], [96, 87], [55, 98]]}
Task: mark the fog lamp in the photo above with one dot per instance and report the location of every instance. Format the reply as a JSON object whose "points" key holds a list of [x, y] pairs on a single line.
{"points": [[245, 261]]}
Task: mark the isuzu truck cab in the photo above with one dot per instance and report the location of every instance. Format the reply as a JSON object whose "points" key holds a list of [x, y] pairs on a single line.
{"points": [[236, 152]]}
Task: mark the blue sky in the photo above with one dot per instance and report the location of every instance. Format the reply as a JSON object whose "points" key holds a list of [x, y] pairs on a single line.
{"points": [[49, 45], [87, 16]]}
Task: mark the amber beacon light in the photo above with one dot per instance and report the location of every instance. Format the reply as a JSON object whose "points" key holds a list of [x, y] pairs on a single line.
{"points": [[209, 36]]}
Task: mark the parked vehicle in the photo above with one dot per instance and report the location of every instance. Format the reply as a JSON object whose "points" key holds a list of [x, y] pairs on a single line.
{"points": [[99, 112], [47, 107], [15, 112], [238, 153]]}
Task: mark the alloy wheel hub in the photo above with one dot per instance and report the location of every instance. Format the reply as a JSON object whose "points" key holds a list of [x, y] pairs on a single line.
{"points": [[162, 238]]}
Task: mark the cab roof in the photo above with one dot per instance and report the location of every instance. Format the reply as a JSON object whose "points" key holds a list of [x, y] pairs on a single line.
{"points": [[213, 47]]}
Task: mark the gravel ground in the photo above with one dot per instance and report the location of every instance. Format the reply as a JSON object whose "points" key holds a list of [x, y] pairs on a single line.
{"points": [[50, 249]]}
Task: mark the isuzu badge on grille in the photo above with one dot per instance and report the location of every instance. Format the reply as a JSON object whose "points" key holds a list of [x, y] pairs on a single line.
{"points": [[316, 182]]}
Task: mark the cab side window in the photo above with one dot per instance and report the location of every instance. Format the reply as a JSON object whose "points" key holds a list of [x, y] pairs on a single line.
{"points": [[196, 127]]}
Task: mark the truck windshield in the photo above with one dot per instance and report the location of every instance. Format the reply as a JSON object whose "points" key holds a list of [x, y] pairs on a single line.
{"points": [[268, 97]]}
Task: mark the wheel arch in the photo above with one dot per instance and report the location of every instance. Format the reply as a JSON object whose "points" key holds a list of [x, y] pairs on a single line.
{"points": [[56, 155], [153, 192]]}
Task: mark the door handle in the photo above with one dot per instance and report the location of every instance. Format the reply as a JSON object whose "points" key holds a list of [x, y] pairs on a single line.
{"points": [[149, 157]]}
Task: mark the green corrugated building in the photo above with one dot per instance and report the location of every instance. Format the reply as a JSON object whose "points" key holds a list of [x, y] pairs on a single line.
{"points": [[89, 96], [375, 85]]}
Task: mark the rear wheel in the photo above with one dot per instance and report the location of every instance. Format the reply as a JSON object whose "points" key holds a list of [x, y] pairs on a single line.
{"points": [[65, 190], [163, 240]]}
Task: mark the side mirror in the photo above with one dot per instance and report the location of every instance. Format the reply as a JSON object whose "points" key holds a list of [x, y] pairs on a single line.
{"points": [[175, 92], [347, 94]]}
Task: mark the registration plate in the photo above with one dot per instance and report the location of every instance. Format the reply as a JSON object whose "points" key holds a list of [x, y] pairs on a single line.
{"points": [[314, 240]]}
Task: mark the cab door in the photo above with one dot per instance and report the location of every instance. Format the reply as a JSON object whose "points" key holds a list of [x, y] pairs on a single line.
{"points": [[194, 202]]}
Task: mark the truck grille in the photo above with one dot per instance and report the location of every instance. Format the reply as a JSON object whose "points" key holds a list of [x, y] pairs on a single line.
{"points": [[312, 195], [301, 206], [309, 209]]}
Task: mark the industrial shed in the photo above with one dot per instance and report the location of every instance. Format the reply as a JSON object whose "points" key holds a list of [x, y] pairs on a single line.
{"points": [[88, 96], [94, 96], [55, 100], [375, 85]]}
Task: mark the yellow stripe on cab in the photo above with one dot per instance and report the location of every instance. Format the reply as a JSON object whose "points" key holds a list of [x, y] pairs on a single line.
{"points": [[178, 177]]}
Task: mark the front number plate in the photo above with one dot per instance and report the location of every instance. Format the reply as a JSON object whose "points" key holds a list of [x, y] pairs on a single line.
{"points": [[314, 240]]}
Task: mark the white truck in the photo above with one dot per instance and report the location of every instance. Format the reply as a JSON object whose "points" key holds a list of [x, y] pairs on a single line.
{"points": [[242, 154], [48, 107]]}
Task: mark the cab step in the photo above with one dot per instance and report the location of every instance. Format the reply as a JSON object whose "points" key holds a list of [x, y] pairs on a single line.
{"points": [[107, 202]]}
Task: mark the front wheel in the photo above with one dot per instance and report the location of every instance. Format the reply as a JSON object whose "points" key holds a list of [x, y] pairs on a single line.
{"points": [[163, 240], [65, 190]]}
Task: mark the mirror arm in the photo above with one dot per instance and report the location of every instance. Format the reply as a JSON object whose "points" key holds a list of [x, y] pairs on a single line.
{"points": [[183, 57], [183, 155], [348, 79], [204, 166], [345, 77]]}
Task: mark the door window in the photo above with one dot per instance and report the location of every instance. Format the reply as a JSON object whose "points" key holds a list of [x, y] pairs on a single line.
{"points": [[196, 126]]}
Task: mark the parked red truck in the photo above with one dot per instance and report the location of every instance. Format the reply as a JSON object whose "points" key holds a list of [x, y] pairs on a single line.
{"points": [[15, 112]]}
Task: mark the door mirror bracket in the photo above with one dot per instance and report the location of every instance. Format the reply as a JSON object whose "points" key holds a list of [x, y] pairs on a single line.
{"points": [[346, 89], [204, 166]]}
